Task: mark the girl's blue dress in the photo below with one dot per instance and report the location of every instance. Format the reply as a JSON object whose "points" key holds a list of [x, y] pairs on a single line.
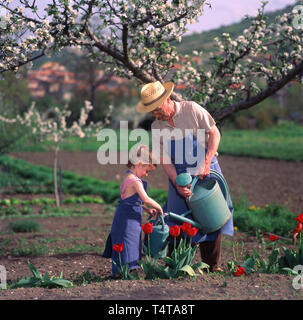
{"points": [[126, 229]]}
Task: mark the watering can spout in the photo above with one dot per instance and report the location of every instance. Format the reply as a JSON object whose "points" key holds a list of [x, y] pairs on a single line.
{"points": [[182, 218]]}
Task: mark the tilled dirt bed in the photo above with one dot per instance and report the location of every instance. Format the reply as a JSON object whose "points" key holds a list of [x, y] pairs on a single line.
{"points": [[261, 181]]}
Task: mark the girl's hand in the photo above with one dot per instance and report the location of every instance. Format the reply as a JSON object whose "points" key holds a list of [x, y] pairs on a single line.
{"points": [[158, 210], [152, 212]]}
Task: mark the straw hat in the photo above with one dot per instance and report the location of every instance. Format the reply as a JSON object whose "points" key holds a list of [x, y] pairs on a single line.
{"points": [[153, 95]]}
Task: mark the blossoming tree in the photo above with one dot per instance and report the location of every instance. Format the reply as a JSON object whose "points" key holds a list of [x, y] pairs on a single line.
{"points": [[134, 39], [56, 130]]}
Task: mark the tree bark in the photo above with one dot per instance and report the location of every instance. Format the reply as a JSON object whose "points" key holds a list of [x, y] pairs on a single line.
{"points": [[55, 176]]}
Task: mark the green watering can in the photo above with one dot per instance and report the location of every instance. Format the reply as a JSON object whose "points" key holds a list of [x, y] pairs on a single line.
{"points": [[158, 238], [208, 205]]}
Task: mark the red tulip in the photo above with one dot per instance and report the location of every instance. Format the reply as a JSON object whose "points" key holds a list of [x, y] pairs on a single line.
{"points": [[191, 232], [185, 226], [118, 247], [296, 231], [147, 228], [299, 218], [273, 238], [240, 271], [298, 228], [174, 231]]}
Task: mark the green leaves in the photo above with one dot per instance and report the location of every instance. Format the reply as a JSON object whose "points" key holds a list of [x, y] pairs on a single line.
{"points": [[150, 267], [179, 264], [187, 268], [290, 258], [279, 261], [34, 271], [249, 265], [38, 281]]}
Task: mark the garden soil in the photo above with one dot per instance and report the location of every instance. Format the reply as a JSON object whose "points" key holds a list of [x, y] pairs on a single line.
{"points": [[260, 181]]}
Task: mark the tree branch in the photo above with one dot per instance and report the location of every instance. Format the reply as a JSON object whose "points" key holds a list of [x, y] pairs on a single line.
{"points": [[246, 104], [25, 62], [20, 14], [124, 41], [116, 54]]}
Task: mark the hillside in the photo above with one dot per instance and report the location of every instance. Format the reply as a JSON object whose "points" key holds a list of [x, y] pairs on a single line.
{"points": [[204, 40]]}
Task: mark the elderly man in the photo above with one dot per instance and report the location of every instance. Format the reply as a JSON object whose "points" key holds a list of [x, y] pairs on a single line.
{"points": [[169, 114]]}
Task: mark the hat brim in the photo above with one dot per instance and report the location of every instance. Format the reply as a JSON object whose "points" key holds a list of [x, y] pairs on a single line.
{"points": [[141, 108]]}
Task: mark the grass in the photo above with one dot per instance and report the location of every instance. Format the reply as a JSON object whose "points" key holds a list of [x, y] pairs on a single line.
{"points": [[282, 142], [270, 218], [26, 249]]}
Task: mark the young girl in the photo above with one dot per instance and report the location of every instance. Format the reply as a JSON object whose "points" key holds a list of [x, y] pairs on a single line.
{"points": [[126, 226]]}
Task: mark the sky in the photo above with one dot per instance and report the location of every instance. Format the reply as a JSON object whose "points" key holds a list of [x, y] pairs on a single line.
{"points": [[225, 12]]}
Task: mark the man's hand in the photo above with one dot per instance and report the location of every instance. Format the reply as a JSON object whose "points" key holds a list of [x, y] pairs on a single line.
{"points": [[184, 191], [202, 172], [205, 172]]}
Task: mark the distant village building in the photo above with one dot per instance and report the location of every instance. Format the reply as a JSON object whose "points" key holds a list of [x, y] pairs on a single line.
{"points": [[53, 79]]}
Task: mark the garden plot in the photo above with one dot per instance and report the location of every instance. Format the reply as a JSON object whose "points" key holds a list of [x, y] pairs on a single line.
{"points": [[73, 245], [70, 240]]}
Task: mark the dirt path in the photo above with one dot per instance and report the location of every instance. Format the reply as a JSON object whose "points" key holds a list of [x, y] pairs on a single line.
{"points": [[260, 181]]}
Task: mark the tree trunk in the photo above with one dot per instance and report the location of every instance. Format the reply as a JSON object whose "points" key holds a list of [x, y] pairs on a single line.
{"points": [[55, 176], [60, 185]]}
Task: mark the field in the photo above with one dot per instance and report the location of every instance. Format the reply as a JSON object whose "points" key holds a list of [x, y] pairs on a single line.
{"points": [[71, 239]]}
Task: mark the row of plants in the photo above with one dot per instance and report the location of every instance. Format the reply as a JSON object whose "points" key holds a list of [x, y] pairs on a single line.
{"points": [[71, 183], [269, 218], [180, 263], [43, 211], [49, 201]]}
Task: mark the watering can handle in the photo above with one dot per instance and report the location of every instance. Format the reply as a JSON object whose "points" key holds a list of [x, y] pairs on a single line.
{"points": [[162, 221], [219, 176]]}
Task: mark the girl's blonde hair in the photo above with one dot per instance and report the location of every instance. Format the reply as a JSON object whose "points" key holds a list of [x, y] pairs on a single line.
{"points": [[141, 154]]}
